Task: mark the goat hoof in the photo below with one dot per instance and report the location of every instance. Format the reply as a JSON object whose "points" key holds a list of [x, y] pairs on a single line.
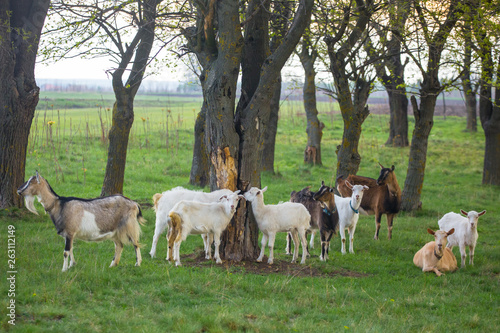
{"points": [[178, 264]]}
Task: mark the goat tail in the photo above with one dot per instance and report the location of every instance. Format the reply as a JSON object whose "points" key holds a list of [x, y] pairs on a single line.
{"points": [[175, 231], [140, 218], [156, 198], [130, 230]]}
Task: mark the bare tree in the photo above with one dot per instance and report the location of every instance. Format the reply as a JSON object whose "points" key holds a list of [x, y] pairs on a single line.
{"points": [[390, 68], [123, 31], [21, 23], [432, 26], [344, 45]]}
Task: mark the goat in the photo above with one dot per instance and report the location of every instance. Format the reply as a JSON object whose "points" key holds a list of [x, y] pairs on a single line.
{"points": [[285, 217], [164, 202], [192, 217], [465, 232], [347, 208], [324, 216], [435, 256], [304, 197], [382, 197], [114, 217]]}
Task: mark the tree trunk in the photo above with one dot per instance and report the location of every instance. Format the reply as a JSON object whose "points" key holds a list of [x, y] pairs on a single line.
{"points": [[469, 91], [122, 120], [490, 118], [353, 114], [200, 164], [20, 29], [491, 169], [267, 163], [314, 129], [470, 105], [418, 151], [398, 127]]}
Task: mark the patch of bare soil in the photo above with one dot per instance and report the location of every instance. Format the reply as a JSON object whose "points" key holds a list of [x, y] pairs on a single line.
{"points": [[280, 267]]}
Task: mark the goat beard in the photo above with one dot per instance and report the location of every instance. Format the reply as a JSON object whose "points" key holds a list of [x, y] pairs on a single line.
{"points": [[29, 201]]}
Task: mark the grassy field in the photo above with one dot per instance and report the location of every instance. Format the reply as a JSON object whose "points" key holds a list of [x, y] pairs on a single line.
{"points": [[377, 289]]}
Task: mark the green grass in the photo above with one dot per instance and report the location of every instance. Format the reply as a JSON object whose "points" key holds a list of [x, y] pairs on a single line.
{"points": [[392, 295]]}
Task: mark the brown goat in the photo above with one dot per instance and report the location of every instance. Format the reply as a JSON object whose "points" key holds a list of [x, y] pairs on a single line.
{"points": [[324, 216], [435, 256], [382, 197]]}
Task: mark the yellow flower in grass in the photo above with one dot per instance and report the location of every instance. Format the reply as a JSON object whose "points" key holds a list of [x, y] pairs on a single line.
{"points": [[51, 122]]}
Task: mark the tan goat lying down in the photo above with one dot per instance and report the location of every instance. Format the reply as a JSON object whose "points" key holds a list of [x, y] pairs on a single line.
{"points": [[435, 256]]}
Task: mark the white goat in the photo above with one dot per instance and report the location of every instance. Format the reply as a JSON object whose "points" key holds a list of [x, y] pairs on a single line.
{"points": [[164, 202], [92, 220], [191, 217], [348, 209], [465, 232], [285, 217]]}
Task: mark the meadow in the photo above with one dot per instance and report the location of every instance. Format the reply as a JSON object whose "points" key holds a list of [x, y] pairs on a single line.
{"points": [[376, 289]]}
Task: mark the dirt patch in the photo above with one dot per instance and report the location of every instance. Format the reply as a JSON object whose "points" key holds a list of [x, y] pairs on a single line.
{"points": [[281, 267]]}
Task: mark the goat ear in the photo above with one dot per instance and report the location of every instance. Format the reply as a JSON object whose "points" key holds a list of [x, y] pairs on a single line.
{"points": [[37, 177], [430, 231], [463, 212], [322, 183], [482, 213], [348, 184], [451, 231], [366, 187], [237, 191], [264, 189], [392, 168]]}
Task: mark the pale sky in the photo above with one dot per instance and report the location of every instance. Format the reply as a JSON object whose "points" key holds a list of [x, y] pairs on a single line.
{"points": [[94, 69]]}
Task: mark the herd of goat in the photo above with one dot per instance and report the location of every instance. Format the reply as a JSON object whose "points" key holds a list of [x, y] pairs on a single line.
{"points": [[185, 212]]}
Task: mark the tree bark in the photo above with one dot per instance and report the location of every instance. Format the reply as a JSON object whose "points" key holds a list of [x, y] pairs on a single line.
{"points": [[21, 24]]}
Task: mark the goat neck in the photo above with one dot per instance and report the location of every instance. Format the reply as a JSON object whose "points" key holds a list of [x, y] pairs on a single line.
{"points": [[47, 197]]}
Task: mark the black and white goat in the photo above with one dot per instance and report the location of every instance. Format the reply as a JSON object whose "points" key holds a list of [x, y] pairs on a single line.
{"points": [[93, 220], [324, 216]]}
